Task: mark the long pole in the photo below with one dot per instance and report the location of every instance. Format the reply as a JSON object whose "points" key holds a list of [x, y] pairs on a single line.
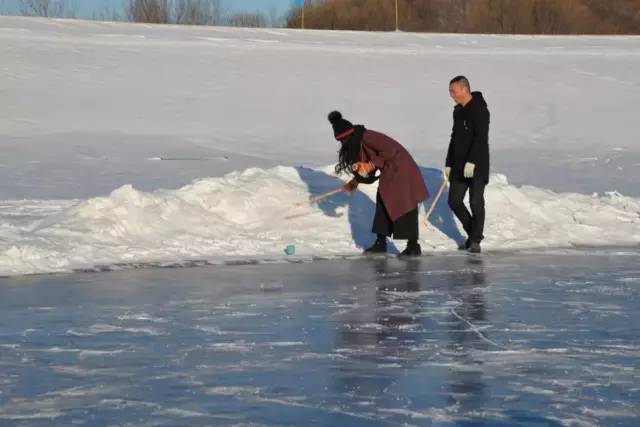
{"points": [[323, 196], [313, 200], [303, 2], [397, 20], [445, 181]]}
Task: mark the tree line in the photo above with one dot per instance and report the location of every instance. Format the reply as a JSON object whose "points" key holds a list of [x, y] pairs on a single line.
{"points": [[448, 16], [184, 12], [473, 16]]}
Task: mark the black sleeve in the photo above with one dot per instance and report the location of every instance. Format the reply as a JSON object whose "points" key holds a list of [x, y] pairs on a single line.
{"points": [[480, 138], [366, 180], [450, 150]]}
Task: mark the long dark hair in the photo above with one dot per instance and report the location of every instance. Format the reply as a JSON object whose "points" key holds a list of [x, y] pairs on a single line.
{"points": [[349, 152]]}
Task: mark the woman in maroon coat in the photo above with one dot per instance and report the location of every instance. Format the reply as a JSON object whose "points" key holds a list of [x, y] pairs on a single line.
{"points": [[401, 188]]}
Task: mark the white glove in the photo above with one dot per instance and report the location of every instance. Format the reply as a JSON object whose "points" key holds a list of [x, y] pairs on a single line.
{"points": [[447, 172], [469, 168]]}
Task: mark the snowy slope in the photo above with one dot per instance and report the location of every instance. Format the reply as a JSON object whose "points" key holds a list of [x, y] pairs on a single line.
{"points": [[85, 104], [89, 108]]}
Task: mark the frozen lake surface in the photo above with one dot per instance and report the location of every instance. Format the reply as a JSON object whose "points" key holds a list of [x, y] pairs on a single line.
{"points": [[539, 339]]}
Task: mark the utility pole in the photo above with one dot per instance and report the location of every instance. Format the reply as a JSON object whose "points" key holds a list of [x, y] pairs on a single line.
{"points": [[397, 20]]}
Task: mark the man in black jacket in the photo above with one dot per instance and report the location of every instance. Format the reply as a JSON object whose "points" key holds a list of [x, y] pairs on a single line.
{"points": [[467, 164]]}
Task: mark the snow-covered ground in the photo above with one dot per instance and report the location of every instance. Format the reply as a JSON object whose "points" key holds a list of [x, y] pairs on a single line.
{"points": [[116, 139], [251, 214]]}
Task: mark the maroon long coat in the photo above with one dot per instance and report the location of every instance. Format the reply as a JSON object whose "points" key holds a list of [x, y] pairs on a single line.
{"points": [[401, 185]]}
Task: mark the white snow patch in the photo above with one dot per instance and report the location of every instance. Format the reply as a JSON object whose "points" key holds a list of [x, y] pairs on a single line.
{"points": [[182, 413], [45, 414], [102, 328], [537, 390], [232, 347], [232, 390], [285, 344], [629, 280], [611, 413]]}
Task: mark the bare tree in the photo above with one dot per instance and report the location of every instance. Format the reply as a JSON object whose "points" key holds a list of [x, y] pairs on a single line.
{"points": [[150, 11], [274, 18], [247, 20], [197, 12], [47, 8], [109, 14], [545, 17]]}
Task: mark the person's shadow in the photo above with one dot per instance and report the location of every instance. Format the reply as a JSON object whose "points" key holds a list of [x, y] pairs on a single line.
{"points": [[442, 217], [360, 207]]}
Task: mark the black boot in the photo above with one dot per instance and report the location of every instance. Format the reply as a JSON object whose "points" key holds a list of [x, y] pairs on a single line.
{"points": [[379, 247], [475, 248], [413, 250], [465, 246]]}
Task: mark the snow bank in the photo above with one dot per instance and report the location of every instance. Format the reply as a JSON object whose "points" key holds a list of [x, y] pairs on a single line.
{"points": [[253, 214]]}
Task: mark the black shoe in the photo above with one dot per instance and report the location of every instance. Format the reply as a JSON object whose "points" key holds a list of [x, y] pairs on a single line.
{"points": [[475, 248], [465, 246], [413, 250], [379, 247]]}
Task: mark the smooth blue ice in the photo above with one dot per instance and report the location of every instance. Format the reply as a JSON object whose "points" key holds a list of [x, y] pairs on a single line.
{"points": [[539, 339]]}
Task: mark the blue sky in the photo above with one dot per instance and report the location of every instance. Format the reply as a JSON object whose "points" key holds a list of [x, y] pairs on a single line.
{"points": [[88, 7]]}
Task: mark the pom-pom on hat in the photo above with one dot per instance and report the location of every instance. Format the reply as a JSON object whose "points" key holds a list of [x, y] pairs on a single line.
{"points": [[341, 127]]}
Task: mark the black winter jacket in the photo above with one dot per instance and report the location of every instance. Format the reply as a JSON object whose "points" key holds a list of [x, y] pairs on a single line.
{"points": [[470, 139]]}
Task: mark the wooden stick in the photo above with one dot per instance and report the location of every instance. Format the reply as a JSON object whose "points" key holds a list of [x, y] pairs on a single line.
{"points": [[319, 197], [445, 181], [312, 200]]}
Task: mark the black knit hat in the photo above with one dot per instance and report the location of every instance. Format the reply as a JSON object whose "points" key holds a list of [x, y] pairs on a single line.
{"points": [[341, 127]]}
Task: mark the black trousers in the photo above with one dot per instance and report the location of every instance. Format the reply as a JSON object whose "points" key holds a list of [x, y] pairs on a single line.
{"points": [[405, 227], [473, 223]]}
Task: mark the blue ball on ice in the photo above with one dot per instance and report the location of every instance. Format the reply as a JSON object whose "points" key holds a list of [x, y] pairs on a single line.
{"points": [[290, 250]]}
